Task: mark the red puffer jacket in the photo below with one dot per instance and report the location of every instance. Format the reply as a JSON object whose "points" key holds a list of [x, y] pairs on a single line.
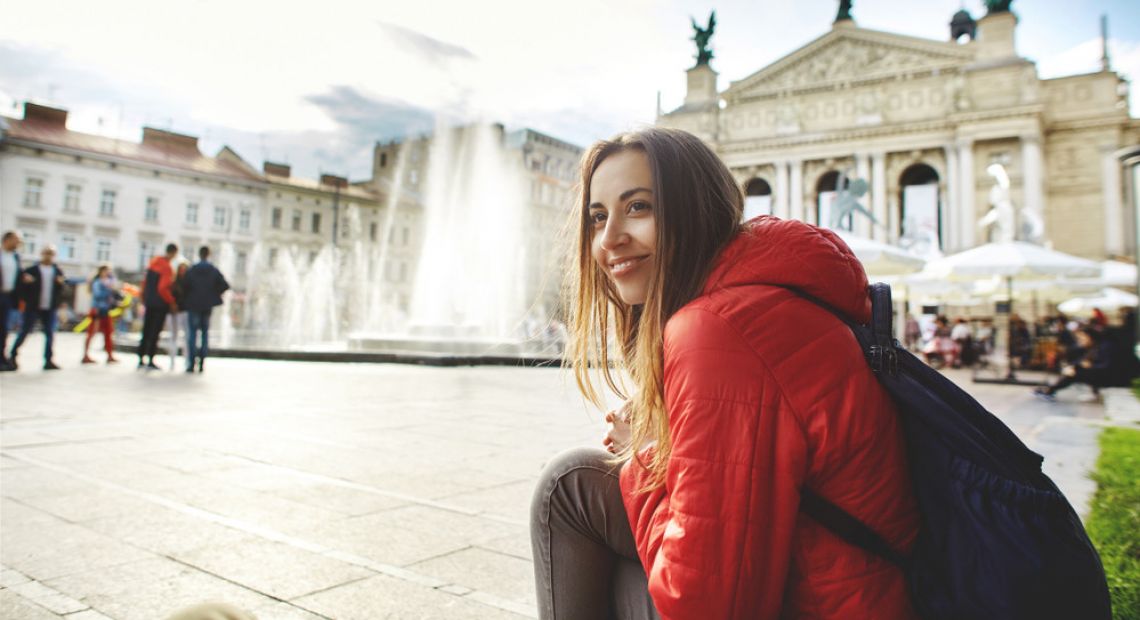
{"points": [[768, 393]]}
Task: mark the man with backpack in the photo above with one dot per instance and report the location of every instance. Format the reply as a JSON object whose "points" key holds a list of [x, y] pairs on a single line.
{"points": [[158, 300], [203, 288]]}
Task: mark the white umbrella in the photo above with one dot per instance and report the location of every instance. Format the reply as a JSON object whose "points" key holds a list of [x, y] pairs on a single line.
{"points": [[1036, 289], [880, 259], [1012, 260], [1109, 300], [1113, 273]]}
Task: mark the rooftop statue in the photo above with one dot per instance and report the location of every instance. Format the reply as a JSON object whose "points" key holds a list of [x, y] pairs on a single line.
{"points": [[997, 6], [844, 10], [701, 36]]}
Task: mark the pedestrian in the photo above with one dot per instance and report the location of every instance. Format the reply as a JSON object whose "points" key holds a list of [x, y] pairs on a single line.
{"points": [[176, 320], [963, 341], [158, 302], [1093, 370], [745, 392], [104, 290], [41, 290], [9, 281], [912, 333], [204, 288]]}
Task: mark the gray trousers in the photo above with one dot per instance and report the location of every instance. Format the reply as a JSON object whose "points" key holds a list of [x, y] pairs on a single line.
{"points": [[585, 560]]}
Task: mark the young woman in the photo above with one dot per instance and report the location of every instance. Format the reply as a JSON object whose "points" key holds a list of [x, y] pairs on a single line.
{"points": [[745, 393], [103, 289]]}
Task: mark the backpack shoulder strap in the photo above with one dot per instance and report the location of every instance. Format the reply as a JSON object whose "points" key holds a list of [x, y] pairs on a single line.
{"points": [[879, 349], [847, 527]]}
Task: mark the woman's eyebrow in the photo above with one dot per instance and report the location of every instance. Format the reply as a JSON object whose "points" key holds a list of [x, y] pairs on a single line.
{"points": [[624, 196]]}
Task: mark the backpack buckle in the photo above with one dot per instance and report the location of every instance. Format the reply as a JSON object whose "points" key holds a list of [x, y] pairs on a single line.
{"points": [[884, 358]]}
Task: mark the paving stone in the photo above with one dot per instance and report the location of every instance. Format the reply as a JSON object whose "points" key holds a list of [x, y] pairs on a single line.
{"points": [[15, 607], [89, 614], [153, 589], [516, 544], [510, 500], [35, 481], [46, 551], [10, 578], [284, 611], [385, 597], [505, 576], [275, 569], [165, 531], [48, 598], [388, 545], [87, 505]]}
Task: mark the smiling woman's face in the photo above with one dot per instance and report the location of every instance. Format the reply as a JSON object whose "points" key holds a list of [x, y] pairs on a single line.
{"points": [[622, 213]]}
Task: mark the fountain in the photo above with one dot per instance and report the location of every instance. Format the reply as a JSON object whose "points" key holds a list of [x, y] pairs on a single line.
{"points": [[468, 296]]}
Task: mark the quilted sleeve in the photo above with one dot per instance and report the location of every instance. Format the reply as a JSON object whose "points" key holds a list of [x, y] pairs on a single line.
{"points": [[716, 540]]}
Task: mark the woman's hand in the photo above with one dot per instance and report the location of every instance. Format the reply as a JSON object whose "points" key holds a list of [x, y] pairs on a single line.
{"points": [[618, 437]]}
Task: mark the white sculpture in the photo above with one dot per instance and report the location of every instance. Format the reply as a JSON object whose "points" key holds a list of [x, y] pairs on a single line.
{"points": [[1000, 215]]}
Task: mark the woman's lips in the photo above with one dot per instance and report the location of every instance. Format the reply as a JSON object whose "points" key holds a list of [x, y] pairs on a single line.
{"points": [[626, 266]]}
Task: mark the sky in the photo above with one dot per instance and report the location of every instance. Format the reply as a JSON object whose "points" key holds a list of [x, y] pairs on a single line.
{"points": [[317, 84]]}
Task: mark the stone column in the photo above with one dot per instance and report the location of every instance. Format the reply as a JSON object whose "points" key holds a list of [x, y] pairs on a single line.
{"points": [[782, 202], [1033, 179], [952, 211], [862, 224], [967, 190], [1113, 214], [879, 196], [796, 191]]}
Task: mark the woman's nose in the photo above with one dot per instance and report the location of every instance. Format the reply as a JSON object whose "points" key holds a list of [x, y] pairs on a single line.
{"points": [[614, 234]]}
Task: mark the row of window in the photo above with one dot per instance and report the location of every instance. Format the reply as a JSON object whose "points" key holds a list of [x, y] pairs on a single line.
{"points": [[276, 216], [69, 249], [34, 190]]}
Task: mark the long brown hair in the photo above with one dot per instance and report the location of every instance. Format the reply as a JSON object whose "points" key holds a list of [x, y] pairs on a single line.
{"points": [[698, 208]]}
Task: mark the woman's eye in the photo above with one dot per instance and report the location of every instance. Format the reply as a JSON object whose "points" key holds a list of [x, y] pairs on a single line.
{"points": [[597, 217], [639, 206]]}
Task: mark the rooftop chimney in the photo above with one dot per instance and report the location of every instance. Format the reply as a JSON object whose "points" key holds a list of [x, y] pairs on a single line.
{"points": [[277, 170], [333, 180], [162, 139], [44, 114]]}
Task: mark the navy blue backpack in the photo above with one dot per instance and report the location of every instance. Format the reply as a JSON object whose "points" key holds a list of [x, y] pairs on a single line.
{"points": [[998, 540]]}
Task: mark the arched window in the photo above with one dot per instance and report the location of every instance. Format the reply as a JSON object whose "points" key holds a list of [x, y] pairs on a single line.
{"points": [[825, 191], [920, 206], [757, 198]]}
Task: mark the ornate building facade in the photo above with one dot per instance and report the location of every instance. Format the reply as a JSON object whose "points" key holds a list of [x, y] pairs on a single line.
{"points": [[923, 121]]}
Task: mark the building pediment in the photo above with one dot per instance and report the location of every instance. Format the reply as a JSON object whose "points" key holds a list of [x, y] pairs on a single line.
{"points": [[846, 55]]}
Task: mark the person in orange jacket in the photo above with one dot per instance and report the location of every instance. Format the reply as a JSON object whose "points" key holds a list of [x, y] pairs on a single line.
{"points": [[745, 393], [159, 301]]}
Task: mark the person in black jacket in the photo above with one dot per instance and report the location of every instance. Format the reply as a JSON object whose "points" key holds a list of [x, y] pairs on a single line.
{"points": [[41, 290], [9, 283], [202, 289], [1093, 369]]}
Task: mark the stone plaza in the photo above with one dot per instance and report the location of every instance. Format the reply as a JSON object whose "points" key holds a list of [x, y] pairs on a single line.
{"points": [[315, 490]]}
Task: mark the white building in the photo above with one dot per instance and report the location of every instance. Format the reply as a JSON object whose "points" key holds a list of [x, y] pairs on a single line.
{"points": [[103, 200]]}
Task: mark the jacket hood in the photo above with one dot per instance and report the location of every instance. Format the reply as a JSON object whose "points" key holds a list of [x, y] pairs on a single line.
{"points": [[795, 255]]}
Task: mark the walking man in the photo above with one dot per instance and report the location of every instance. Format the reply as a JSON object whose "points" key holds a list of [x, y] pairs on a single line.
{"points": [[204, 286], [9, 280], [41, 289], [159, 301]]}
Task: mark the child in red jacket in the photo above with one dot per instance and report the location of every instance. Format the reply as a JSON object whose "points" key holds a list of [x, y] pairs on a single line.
{"points": [[744, 394]]}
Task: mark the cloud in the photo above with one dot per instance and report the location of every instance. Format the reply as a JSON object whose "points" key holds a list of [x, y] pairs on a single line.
{"points": [[371, 118], [433, 50]]}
